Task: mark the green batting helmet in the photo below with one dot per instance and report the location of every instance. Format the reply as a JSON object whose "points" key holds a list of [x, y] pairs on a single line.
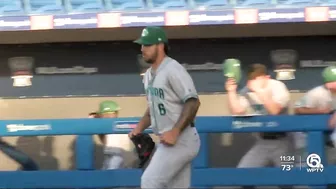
{"points": [[329, 74], [152, 35], [108, 106], [231, 69]]}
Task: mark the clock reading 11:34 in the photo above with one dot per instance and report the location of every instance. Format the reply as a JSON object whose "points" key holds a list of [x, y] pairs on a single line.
{"points": [[287, 158]]}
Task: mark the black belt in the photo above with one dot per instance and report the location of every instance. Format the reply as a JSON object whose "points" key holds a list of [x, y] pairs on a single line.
{"points": [[330, 144], [273, 136], [327, 140]]}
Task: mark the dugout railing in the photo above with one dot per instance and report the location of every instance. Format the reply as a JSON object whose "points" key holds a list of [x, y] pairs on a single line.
{"points": [[85, 176]]}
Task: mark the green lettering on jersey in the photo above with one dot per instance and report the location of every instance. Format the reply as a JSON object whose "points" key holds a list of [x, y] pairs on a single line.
{"points": [[158, 92], [161, 93]]}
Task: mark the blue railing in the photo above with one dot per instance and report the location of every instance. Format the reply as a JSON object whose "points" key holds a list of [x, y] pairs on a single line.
{"points": [[202, 176]]}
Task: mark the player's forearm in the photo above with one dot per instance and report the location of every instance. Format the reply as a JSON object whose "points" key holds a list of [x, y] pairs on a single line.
{"points": [[145, 121], [304, 110], [188, 115], [234, 104]]}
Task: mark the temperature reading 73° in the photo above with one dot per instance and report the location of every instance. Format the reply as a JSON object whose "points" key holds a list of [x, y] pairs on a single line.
{"points": [[285, 167]]}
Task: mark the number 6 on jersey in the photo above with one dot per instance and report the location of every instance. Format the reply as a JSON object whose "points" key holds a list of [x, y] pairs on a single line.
{"points": [[162, 109]]}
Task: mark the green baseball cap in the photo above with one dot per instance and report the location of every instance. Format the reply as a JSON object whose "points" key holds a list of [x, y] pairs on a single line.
{"points": [[329, 74], [108, 106], [152, 35], [232, 69]]}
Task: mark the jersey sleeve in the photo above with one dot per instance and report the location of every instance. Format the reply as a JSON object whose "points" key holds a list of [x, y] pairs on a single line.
{"points": [[281, 94], [182, 84], [308, 100]]}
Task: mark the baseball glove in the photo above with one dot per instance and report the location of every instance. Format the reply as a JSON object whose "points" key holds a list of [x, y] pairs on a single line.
{"points": [[144, 145]]}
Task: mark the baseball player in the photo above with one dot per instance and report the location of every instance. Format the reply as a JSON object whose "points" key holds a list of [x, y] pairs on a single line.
{"points": [[261, 96], [119, 150], [172, 106], [319, 100]]}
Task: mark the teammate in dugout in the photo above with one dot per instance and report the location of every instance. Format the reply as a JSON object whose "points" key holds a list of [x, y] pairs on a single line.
{"points": [[119, 151], [319, 100], [261, 96], [172, 106]]}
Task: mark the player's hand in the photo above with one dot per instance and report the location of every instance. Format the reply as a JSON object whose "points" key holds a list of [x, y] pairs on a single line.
{"points": [[170, 137], [230, 85], [134, 132]]}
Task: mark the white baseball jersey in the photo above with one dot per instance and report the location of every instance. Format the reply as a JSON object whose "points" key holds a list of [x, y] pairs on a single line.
{"points": [[318, 97], [251, 103], [167, 89], [277, 91]]}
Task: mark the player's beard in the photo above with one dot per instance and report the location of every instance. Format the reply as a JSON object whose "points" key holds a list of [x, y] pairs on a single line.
{"points": [[153, 58], [149, 61]]}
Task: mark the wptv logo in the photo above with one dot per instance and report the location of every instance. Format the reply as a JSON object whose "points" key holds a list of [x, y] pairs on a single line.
{"points": [[314, 163]]}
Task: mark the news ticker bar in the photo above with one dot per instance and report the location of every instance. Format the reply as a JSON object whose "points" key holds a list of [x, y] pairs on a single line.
{"points": [[168, 18]]}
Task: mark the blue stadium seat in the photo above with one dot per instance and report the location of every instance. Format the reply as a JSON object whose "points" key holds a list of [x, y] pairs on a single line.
{"points": [[11, 7], [44, 6], [167, 4], [255, 3], [327, 2], [84, 5], [210, 3], [124, 4], [294, 3]]}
